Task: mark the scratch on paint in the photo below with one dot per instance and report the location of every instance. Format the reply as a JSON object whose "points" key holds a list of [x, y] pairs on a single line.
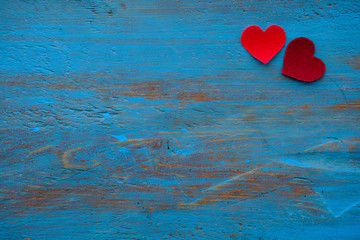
{"points": [[347, 209], [230, 180], [332, 212], [336, 146]]}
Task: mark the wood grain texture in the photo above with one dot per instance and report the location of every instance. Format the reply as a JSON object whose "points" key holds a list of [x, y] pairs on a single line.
{"points": [[148, 120]]}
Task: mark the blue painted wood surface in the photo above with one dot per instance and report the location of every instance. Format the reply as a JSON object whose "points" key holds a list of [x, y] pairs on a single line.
{"points": [[148, 120]]}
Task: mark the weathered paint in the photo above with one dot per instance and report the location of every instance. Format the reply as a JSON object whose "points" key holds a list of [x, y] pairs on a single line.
{"points": [[148, 120]]}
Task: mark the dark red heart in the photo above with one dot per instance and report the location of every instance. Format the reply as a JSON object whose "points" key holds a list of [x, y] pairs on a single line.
{"points": [[263, 45], [300, 63]]}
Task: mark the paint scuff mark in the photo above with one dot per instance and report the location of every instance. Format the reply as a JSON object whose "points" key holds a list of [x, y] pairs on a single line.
{"points": [[120, 138], [184, 130], [336, 146]]}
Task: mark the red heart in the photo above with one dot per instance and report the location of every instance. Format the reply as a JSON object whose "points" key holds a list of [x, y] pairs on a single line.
{"points": [[300, 63], [263, 45]]}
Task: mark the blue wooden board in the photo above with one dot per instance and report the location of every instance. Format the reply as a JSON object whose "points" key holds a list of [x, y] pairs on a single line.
{"points": [[148, 120]]}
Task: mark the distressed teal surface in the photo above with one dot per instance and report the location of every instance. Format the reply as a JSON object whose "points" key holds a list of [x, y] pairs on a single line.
{"points": [[148, 120]]}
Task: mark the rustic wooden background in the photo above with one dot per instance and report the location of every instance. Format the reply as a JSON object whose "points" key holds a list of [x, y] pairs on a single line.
{"points": [[148, 120]]}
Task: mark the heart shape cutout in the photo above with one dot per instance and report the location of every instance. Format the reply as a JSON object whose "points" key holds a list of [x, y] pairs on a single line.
{"points": [[263, 45], [300, 63]]}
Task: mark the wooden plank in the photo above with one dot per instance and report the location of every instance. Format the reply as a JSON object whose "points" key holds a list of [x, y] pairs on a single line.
{"points": [[148, 120]]}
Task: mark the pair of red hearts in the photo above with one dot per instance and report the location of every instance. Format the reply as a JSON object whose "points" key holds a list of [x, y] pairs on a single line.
{"points": [[299, 60]]}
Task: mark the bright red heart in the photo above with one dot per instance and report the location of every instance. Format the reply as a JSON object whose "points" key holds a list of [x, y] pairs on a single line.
{"points": [[263, 45], [300, 63]]}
